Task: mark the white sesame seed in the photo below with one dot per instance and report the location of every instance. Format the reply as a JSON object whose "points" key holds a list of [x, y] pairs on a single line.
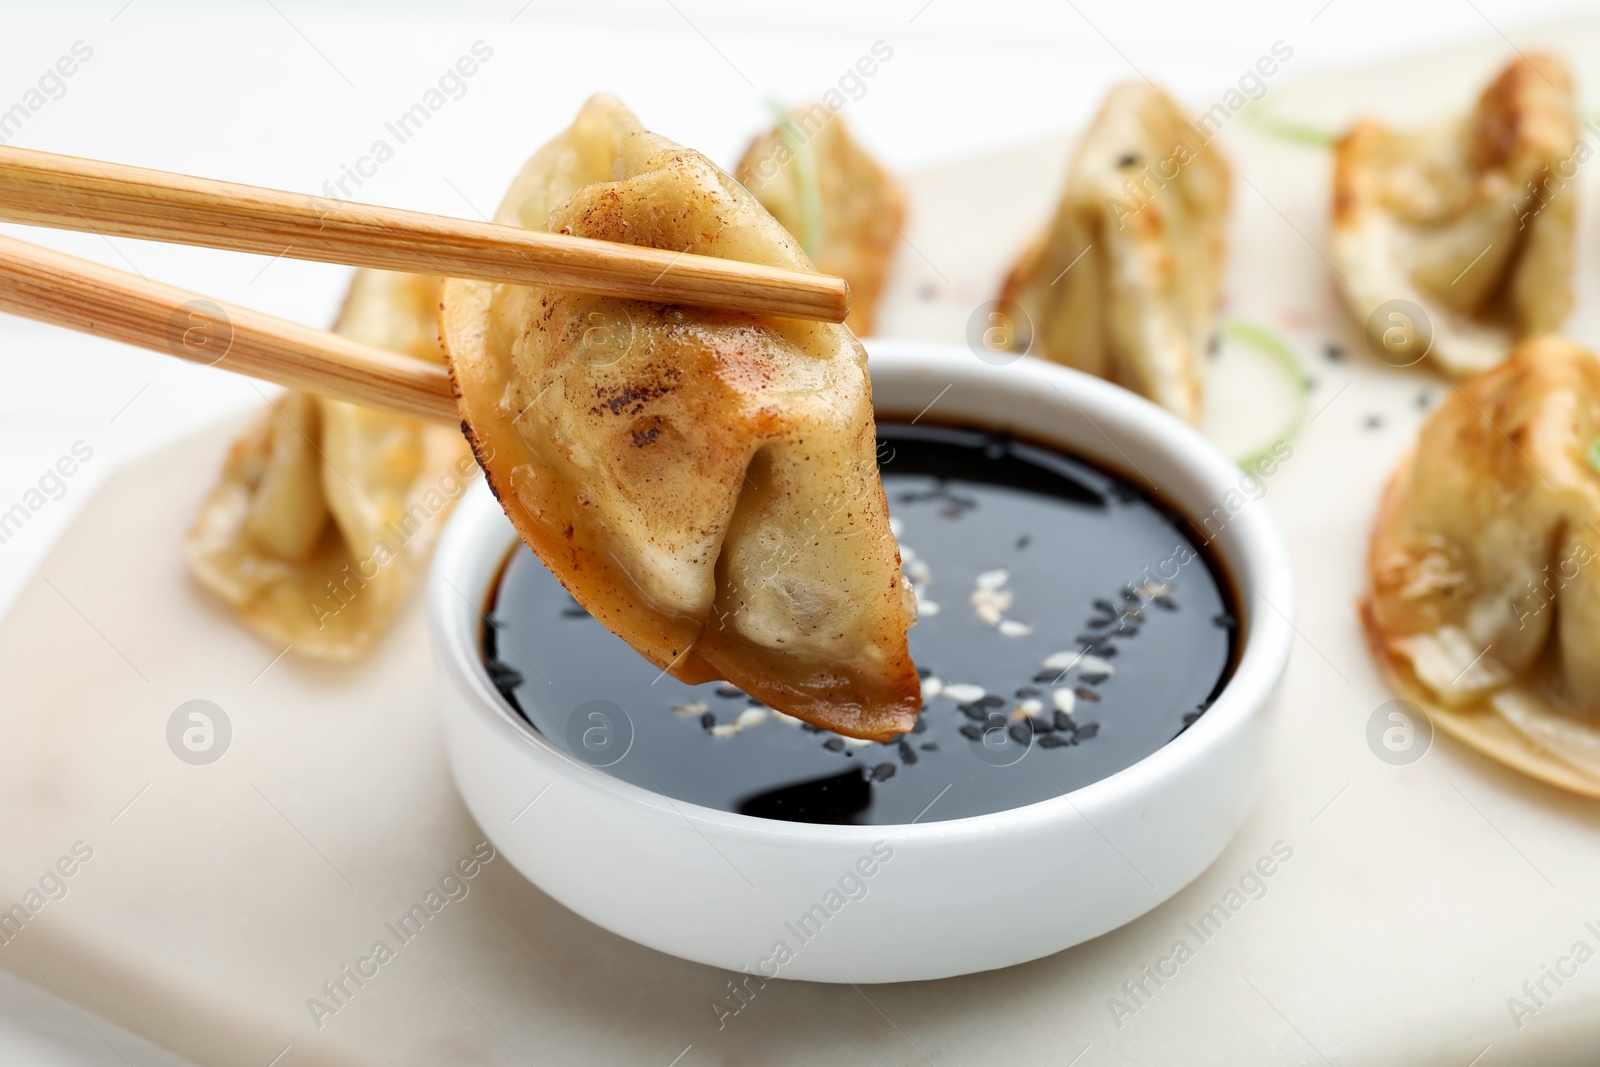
{"points": [[694, 707], [1061, 661], [725, 729], [895, 526], [1094, 665], [964, 693], [988, 614], [1032, 706], [994, 579], [751, 717], [919, 571], [932, 686], [785, 717], [907, 554], [855, 742], [1064, 700], [1013, 628], [927, 608]]}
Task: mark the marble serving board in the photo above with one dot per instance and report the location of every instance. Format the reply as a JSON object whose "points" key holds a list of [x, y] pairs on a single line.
{"points": [[209, 908]]}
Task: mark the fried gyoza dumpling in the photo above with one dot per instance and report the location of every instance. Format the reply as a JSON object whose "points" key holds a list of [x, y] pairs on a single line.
{"points": [[1471, 220], [1485, 599], [703, 482], [845, 209], [1124, 282], [326, 512]]}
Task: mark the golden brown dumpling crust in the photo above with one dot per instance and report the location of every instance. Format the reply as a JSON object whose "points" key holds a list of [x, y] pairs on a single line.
{"points": [[1472, 219], [859, 209], [703, 482], [1485, 564], [1124, 282], [326, 513]]}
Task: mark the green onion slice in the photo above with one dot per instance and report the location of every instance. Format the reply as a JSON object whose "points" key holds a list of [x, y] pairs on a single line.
{"points": [[1283, 356]]}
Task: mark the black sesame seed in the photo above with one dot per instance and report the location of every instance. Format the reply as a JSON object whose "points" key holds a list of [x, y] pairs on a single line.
{"points": [[1053, 741], [1374, 422], [1087, 731], [972, 732], [1028, 691], [1214, 346], [1020, 733], [1165, 603], [1106, 606], [504, 677], [1424, 399], [708, 720], [989, 700], [1226, 621], [1310, 382], [573, 611], [1335, 353], [928, 292], [1085, 693], [908, 755], [1130, 159], [729, 692], [1100, 624], [973, 712], [929, 746], [920, 727], [995, 721], [1041, 725], [834, 744], [1063, 721], [883, 772], [1048, 677], [1024, 541]]}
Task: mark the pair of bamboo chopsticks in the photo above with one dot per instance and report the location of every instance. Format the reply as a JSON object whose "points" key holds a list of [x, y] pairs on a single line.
{"points": [[65, 192]]}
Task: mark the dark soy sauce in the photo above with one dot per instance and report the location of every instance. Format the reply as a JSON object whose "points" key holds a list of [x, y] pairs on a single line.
{"points": [[1071, 625]]}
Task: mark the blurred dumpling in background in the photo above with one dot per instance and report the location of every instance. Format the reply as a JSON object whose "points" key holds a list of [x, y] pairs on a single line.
{"points": [[1470, 219], [326, 512], [704, 482], [1124, 281], [843, 207], [1485, 565]]}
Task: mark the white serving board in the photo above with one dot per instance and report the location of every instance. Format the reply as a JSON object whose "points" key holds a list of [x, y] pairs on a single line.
{"points": [[219, 898]]}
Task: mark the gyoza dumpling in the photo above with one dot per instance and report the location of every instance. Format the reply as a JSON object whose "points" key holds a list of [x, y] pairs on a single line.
{"points": [[703, 482], [1485, 600], [1124, 282], [845, 209], [1471, 220], [327, 512]]}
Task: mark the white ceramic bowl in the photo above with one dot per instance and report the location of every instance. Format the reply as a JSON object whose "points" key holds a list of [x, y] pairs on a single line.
{"points": [[900, 902]]}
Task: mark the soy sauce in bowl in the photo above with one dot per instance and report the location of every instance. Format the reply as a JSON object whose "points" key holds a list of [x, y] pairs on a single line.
{"points": [[1070, 624]]}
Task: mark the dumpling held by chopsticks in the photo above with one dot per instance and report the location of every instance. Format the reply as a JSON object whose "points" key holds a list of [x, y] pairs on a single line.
{"points": [[704, 482]]}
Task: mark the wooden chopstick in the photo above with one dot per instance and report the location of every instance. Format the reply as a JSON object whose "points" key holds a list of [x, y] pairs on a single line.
{"points": [[53, 287], [65, 192]]}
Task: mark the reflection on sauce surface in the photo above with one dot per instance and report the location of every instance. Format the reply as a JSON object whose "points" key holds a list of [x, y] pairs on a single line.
{"points": [[1070, 626]]}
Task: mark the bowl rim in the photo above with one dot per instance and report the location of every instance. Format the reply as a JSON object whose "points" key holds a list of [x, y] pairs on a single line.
{"points": [[1255, 555]]}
